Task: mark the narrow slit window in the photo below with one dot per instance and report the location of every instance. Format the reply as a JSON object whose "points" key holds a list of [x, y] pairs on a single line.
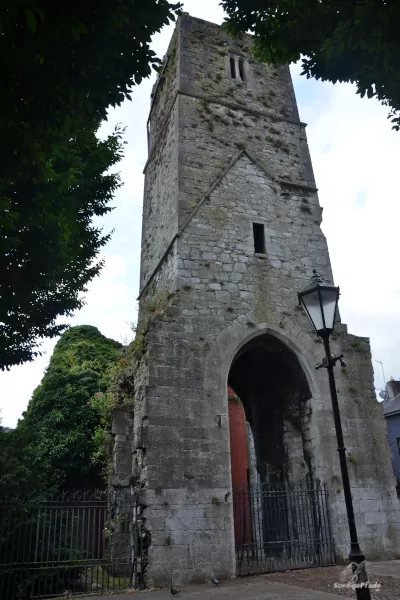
{"points": [[259, 238], [233, 68], [241, 69]]}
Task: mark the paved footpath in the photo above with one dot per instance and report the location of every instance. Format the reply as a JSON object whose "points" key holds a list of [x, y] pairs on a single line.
{"points": [[263, 587], [254, 588], [390, 568]]}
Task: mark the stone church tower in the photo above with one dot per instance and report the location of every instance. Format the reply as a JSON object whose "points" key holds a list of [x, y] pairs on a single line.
{"points": [[231, 233]]}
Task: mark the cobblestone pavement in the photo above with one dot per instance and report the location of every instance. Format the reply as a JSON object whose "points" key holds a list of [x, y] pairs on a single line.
{"points": [[324, 578]]}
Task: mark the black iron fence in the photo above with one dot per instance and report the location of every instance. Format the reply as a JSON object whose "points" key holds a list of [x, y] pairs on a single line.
{"points": [[285, 526], [95, 542], [69, 544]]}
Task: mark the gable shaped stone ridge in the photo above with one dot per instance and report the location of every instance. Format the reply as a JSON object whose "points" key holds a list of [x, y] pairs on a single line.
{"points": [[219, 179], [206, 196]]}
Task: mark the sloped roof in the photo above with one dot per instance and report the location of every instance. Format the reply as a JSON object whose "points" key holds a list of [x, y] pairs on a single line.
{"points": [[391, 406]]}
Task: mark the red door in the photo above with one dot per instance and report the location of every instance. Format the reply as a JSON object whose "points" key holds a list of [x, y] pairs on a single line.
{"points": [[239, 470]]}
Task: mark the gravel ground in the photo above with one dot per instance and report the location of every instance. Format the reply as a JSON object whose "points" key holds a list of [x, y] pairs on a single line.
{"points": [[324, 578]]}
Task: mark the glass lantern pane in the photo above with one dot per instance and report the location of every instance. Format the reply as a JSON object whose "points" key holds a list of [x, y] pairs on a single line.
{"points": [[313, 308], [329, 300]]}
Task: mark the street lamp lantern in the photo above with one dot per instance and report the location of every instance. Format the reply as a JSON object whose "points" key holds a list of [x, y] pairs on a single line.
{"points": [[319, 301]]}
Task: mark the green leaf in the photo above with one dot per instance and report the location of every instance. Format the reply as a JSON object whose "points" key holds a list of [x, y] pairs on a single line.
{"points": [[30, 20], [340, 41]]}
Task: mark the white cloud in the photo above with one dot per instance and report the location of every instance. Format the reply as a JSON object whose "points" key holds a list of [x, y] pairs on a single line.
{"points": [[355, 155]]}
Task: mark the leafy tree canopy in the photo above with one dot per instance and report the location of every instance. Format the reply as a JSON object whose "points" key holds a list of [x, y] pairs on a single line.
{"points": [[60, 425], [63, 65], [340, 40], [16, 460], [49, 247]]}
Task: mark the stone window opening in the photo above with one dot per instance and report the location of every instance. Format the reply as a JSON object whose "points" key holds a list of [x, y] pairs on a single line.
{"points": [[233, 67], [398, 444], [237, 68], [241, 69], [259, 238]]}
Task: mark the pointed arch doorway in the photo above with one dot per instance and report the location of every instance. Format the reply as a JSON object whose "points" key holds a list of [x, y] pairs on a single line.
{"points": [[281, 516]]}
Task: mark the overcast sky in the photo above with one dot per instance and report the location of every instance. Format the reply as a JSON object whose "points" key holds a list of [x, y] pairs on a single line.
{"points": [[355, 156]]}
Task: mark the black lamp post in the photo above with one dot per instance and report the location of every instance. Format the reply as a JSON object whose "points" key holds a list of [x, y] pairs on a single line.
{"points": [[319, 301]]}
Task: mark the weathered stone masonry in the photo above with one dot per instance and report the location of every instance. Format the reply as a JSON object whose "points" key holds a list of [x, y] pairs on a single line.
{"points": [[223, 154]]}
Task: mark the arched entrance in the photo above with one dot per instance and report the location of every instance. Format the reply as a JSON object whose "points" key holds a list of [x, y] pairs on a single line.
{"points": [[280, 510]]}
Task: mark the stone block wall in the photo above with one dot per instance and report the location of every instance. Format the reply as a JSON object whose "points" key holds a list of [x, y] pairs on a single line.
{"points": [[232, 154], [161, 182]]}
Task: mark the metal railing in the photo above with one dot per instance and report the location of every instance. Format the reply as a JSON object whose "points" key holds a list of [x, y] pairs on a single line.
{"points": [[282, 526], [72, 543]]}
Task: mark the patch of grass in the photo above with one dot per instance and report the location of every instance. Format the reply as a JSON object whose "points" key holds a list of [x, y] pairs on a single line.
{"points": [[157, 304], [215, 501], [138, 346], [357, 346], [352, 458], [278, 144]]}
